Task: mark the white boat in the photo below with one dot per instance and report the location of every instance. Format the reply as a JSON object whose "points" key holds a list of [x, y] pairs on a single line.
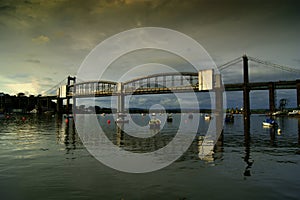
{"points": [[34, 111], [294, 112], [121, 114], [269, 123], [154, 123], [122, 120], [279, 113], [207, 117]]}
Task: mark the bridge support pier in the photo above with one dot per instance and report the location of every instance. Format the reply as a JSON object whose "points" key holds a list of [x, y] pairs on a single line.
{"points": [[246, 99], [74, 105], [121, 102], [298, 131], [246, 91], [298, 92], [272, 97], [219, 112], [68, 106], [59, 105], [121, 98]]}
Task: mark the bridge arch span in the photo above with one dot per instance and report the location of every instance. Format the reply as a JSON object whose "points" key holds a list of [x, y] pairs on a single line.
{"points": [[162, 83]]}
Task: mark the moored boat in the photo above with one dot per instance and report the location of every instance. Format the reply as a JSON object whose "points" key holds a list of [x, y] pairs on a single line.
{"points": [[294, 113], [122, 120], [154, 123], [279, 113], [170, 117], [269, 122], [121, 114], [207, 117], [229, 118]]}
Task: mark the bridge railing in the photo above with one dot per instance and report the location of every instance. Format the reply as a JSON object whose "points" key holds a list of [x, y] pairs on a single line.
{"points": [[162, 82], [97, 88]]}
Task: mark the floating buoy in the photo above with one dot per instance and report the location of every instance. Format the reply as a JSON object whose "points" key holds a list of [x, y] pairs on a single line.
{"points": [[23, 119], [67, 120], [108, 121], [279, 131]]}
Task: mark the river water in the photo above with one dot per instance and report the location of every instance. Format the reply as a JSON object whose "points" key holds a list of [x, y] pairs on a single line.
{"points": [[44, 158]]}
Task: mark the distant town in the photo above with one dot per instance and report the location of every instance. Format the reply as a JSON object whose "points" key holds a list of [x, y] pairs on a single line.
{"points": [[22, 104]]}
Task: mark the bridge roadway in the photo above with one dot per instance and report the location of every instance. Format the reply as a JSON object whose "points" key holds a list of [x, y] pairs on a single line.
{"points": [[173, 82], [182, 82], [166, 83], [188, 88]]}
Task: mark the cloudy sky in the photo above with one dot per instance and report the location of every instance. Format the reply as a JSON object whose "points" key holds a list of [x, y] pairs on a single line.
{"points": [[42, 42]]}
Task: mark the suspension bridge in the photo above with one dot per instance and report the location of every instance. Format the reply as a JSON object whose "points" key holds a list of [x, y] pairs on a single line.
{"points": [[177, 82]]}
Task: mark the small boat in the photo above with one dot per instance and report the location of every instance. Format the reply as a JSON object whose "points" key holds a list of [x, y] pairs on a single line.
{"points": [[170, 118], [121, 114], [279, 113], [294, 113], [68, 116], [153, 114], [154, 123], [269, 123], [207, 117], [34, 111], [121, 120], [229, 118]]}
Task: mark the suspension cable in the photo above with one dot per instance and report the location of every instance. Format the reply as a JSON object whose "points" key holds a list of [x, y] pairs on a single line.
{"points": [[55, 86], [277, 66], [230, 63]]}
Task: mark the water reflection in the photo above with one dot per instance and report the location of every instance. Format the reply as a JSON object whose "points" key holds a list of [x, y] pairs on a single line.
{"points": [[299, 132], [70, 135], [208, 150], [120, 135], [66, 133], [272, 136], [247, 139]]}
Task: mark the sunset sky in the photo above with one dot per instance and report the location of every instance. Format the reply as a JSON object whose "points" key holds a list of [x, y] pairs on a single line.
{"points": [[42, 42]]}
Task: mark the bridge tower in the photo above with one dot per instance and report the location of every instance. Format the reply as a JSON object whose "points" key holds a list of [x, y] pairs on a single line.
{"points": [[73, 79], [219, 89], [246, 89], [298, 92], [272, 106], [246, 99], [64, 93]]}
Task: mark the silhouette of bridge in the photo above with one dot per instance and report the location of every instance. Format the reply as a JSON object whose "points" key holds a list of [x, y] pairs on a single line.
{"points": [[177, 82]]}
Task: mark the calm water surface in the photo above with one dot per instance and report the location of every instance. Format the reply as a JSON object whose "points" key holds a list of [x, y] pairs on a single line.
{"points": [[43, 158]]}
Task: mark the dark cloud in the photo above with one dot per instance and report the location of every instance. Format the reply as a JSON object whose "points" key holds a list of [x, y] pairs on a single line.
{"points": [[4, 8], [62, 33], [33, 61], [19, 76]]}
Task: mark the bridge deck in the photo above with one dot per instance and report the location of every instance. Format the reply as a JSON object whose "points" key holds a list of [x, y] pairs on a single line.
{"points": [[188, 88]]}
